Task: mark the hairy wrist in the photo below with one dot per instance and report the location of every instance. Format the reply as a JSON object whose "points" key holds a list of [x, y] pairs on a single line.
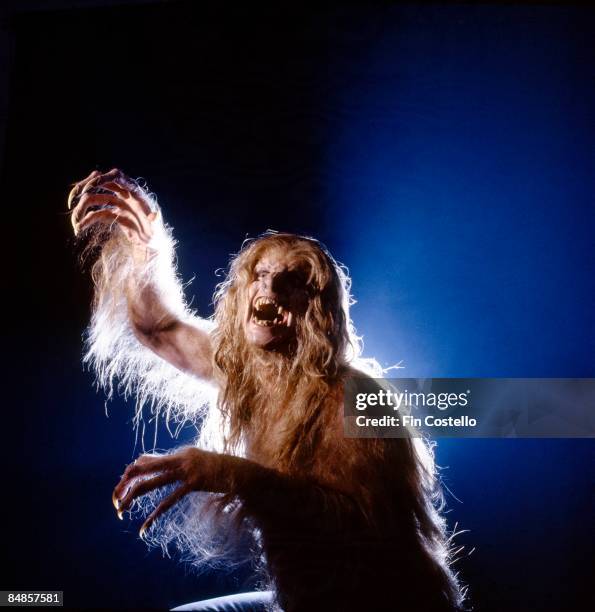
{"points": [[142, 255]]}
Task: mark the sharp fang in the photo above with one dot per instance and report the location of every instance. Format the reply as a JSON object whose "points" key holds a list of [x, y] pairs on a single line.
{"points": [[289, 319], [280, 310], [264, 300]]}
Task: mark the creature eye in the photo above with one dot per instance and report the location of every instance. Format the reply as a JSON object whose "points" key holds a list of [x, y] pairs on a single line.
{"points": [[297, 278]]}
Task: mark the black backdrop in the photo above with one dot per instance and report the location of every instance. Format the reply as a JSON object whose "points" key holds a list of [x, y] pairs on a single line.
{"points": [[224, 112]]}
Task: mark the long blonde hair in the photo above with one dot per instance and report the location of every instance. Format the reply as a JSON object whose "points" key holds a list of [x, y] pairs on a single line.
{"points": [[326, 343], [305, 382], [306, 385]]}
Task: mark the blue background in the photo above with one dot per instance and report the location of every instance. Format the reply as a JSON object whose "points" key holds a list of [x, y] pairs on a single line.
{"points": [[443, 153]]}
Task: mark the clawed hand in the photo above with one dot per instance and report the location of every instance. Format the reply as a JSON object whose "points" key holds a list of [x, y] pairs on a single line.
{"points": [[193, 468], [112, 198]]}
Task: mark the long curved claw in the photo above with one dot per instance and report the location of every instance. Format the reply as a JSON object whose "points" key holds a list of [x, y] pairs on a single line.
{"points": [[76, 189], [147, 473]]}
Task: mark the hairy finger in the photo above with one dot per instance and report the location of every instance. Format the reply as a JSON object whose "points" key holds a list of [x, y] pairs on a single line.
{"points": [[127, 220], [96, 180], [141, 223], [122, 198], [123, 191], [92, 199], [144, 466], [164, 506], [77, 188], [140, 487], [116, 175], [89, 185], [135, 200], [118, 180], [110, 217], [157, 463], [127, 189]]}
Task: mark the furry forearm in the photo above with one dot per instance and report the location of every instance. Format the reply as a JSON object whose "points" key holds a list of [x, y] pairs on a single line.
{"points": [[270, 496], [137, 292], [146, 311]]}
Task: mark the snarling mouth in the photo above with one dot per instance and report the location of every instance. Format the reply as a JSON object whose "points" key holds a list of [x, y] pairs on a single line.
{"points": [[266, 312]]}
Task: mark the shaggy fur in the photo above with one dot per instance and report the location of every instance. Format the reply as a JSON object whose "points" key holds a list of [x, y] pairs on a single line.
{"points": [[346, 523]]}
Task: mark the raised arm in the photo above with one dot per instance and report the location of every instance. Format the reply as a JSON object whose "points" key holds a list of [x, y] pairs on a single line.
{"points": [[185, 346], [116, 201], [141, 331]]}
